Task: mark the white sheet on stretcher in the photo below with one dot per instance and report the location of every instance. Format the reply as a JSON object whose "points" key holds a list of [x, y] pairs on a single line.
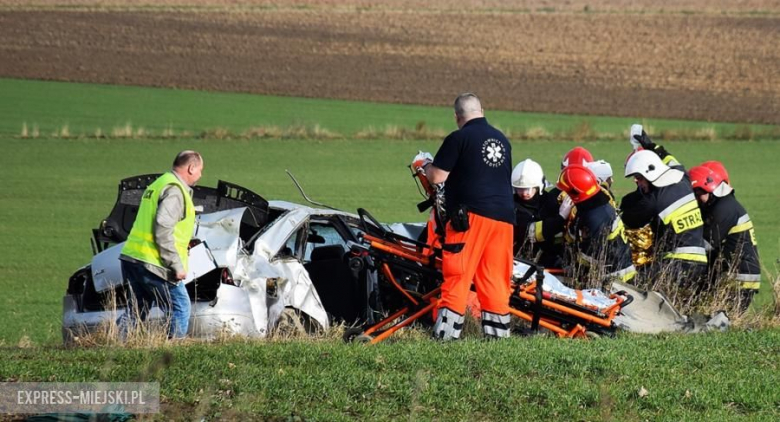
{"points": [[592, 298]]}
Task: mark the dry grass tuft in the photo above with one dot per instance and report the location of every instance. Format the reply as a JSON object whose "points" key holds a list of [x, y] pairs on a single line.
{"points": [[216, 133], [168, 132], [705, 134], [743, 133], [145, 334], [25, 342], [583, 131], [535, 133], [421, 131], [125, 131]]}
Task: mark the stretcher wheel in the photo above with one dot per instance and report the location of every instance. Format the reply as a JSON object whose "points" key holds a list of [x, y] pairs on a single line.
{"points": [[363, 339], [592, 334], [351, 333]]}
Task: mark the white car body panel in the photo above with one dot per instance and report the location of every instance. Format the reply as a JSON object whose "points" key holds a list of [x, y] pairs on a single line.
{"points": [[242, 309], [106, 273]]}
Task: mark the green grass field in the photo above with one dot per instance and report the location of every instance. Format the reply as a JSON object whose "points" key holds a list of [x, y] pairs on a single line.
{"points": [[715, 377], [56, 190], [83, 108]]}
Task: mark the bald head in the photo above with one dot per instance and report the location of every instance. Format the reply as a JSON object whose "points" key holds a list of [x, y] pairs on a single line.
{"points": [[467, 107], [188, 165]]}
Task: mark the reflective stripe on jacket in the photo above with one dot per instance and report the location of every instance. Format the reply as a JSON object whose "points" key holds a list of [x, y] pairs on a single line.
{"points": [[600, 238], [728, 228], [675, 217]]}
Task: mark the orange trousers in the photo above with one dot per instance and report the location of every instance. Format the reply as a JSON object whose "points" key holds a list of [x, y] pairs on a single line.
{"points": [[485, 258]]}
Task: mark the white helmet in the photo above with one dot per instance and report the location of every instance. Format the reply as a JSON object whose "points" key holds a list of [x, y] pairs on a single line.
{"points": [[528, 174], [649, 165], [601, 169]]}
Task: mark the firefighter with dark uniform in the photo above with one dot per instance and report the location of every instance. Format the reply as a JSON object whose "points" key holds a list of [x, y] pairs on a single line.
{"points": [[733, 253], [538, 225], [664, 199], [576, 155], [567, 210], [475, 164], [598, 231]]}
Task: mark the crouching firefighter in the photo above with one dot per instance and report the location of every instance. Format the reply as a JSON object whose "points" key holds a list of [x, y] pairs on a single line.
{"points": [[664, 199], [598, 231], [729, 233], [476, 163], [538, 229]]}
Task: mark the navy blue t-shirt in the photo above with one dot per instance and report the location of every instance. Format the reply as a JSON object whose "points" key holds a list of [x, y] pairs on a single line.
{"points": [[479, 159]]}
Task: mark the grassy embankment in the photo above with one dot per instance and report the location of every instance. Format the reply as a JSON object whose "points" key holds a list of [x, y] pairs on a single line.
{"points": [[56, 190]]}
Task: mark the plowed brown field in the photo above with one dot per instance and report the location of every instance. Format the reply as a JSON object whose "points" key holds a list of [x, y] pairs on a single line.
{"points": [[628, 58]]}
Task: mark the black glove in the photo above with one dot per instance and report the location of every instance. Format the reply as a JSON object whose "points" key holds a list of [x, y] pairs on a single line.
{"points": [[645, 141]]}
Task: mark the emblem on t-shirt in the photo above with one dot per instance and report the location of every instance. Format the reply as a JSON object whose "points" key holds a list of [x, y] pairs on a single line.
{"points": [[493, 153]]}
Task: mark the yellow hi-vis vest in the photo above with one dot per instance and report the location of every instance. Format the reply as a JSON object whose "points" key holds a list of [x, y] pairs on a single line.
{"points": [[140, 242]]}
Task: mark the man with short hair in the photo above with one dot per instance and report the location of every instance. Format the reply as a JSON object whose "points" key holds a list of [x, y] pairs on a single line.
{"points": [[155, 256], [475, 161]]}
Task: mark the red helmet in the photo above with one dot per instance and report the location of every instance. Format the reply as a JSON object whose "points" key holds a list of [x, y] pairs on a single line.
{"points": [[704, 178], [577, 155], [578, 182], [718, 168]]}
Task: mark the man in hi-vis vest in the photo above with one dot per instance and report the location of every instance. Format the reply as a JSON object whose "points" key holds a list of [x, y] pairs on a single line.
{"points": [[154, 258]]}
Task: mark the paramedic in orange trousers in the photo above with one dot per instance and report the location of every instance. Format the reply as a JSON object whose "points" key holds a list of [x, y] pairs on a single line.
{"points": [[475, 163]]}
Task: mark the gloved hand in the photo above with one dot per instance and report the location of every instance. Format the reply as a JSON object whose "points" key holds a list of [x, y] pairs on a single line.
{"points": [[421, 159], [565, 209], [645, 141]]}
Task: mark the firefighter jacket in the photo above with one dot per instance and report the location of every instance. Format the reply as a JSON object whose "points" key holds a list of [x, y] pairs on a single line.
{"points": [[538, 229], [600, 238], [673, 215], [730, 233]]}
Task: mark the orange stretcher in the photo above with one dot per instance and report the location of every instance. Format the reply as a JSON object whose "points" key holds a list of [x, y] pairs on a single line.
{"points": [[410, 277], [547, 308]]}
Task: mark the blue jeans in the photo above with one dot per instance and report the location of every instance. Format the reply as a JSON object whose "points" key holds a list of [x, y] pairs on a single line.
{"points": [[146, 290]]}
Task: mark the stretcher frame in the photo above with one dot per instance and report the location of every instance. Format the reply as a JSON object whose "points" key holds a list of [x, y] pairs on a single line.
{"points": [[391, 252]]}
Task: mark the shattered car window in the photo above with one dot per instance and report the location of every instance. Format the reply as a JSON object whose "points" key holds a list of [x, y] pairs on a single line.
{"points": [[322, 235]]}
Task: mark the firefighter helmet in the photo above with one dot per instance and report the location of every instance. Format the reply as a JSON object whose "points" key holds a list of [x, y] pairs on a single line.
{"points": [[648, 164], [704, 178], [578, 182], [528, 174], [718, 168], [631, 154], [601, 168], [577, 155]]}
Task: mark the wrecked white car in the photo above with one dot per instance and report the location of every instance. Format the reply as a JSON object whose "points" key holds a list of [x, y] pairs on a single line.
{"points": [[256, 259]]}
